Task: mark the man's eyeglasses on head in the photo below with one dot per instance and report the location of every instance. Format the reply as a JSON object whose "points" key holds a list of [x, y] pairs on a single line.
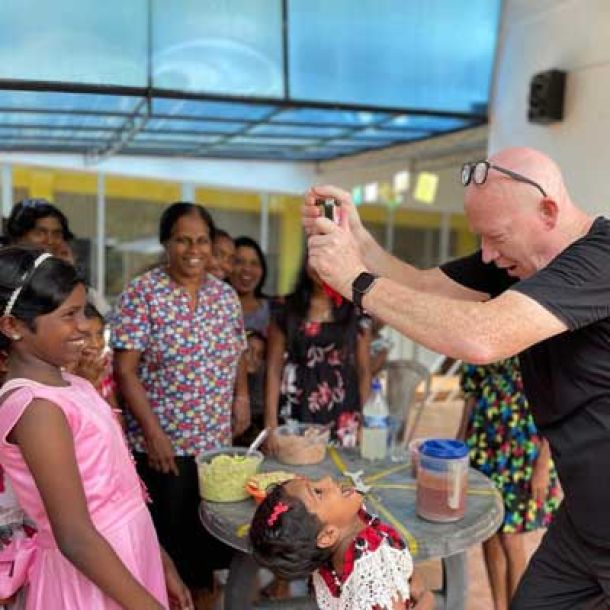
{"points": [[477, 172]]}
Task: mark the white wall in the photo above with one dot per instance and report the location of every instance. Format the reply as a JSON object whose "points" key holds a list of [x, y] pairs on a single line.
{"points": [[572, 35], [261, 176]]}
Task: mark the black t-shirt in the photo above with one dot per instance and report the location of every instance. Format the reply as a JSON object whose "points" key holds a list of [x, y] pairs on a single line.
{"points": [[567, 377]]}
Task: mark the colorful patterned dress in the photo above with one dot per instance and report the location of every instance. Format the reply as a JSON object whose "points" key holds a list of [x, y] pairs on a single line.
{"points": [[189, 357], [504, 443]]}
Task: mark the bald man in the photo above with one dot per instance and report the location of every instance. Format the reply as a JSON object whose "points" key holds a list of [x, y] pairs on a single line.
{"points": [[539, 287]]}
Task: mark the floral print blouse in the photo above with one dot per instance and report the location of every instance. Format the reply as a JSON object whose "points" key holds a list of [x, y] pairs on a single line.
{"points": [[188, 359]]}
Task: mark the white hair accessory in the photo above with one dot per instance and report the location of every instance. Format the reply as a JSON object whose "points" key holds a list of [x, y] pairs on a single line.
{"points": [[13, 298]]}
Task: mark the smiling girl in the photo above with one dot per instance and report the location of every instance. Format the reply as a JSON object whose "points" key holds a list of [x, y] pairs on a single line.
{"points": [[95, 547]]}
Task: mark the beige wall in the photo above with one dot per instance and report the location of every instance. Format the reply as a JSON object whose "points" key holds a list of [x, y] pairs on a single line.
{"points": [[572, 35]]}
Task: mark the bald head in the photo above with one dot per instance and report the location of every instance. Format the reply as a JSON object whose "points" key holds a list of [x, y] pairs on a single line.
{"points": [[534, 165], [521, 228]]}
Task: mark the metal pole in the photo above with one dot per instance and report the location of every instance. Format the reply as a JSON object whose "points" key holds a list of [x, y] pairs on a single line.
{"points": [[7, 190], [264, 235], [389, 228], [187, 191], [444, 238], [100, 280]]}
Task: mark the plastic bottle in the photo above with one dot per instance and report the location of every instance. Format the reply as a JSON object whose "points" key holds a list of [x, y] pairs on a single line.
{"points": [[375, 422]]}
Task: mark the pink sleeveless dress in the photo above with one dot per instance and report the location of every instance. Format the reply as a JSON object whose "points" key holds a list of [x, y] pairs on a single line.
{"points": [[113, 493]]}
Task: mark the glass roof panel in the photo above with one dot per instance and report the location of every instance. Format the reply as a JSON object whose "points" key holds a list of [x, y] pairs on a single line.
{"points": [[231, 47], [210, 109], [387, 134], [41, 119], [314, 131], [431, 123], [197, 126], [70, 102], [196, 138], [412, 60], [348, 118], [102, 43], [272, 141]]}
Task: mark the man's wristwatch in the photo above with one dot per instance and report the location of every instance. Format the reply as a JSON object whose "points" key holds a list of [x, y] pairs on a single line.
{"points": [[361, 285]]}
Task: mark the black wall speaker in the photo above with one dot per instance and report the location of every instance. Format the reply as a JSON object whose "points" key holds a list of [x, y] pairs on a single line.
{"points": [[546, 97]]}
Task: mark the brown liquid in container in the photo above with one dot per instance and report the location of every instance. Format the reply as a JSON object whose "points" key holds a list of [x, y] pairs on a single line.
{"points": [[441, 496]]}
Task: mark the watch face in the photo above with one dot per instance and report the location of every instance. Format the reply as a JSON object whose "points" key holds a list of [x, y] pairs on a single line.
{"points": [[364, 281]]}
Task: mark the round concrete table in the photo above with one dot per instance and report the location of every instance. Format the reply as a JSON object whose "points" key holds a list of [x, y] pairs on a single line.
{"points": [[392, 497]]}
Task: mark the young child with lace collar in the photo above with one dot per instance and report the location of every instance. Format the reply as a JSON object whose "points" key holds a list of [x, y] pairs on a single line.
{"points": [[320, 528]]}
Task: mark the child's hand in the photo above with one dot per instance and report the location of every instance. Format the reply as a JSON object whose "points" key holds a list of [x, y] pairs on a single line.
{"points": [[424, 599], [177, 592]]}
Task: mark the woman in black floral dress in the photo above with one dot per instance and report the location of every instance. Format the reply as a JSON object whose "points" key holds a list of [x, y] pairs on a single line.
{"points": [[318, 364]]}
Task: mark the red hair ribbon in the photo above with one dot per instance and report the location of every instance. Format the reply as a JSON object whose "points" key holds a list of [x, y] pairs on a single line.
{"points": [[278, 509], [333, 294]]}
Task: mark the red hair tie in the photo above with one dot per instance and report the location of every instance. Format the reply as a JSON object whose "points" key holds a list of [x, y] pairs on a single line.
{"points": [[278, 509]]}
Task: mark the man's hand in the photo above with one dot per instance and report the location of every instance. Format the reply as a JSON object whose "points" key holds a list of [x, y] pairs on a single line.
{"points": [[334, 254], [310, 211]]}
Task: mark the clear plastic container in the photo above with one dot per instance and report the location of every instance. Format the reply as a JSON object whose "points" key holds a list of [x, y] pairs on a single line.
{"points": [[224, 473], [442, 480], [414, 446], [299, 444]]}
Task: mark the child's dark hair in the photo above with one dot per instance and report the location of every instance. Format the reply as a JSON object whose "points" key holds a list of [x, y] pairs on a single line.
{"points": [[43, 290], [25, 213], [222, 234], [286, 542], [92, 313], [177, 210]]}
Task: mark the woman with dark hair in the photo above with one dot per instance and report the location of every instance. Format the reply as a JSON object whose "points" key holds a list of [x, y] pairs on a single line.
{"points": [[248, 278], [318, 366], [37, 222], [178, 339]]}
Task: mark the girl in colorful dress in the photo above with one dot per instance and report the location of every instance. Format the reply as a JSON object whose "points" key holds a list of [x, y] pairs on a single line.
{"points": [[498, 426], [95, 545], [319, 528], [318, 360]]}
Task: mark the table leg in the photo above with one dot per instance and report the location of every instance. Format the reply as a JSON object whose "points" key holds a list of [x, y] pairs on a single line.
{"points": [[453, 594], [240, 583]]}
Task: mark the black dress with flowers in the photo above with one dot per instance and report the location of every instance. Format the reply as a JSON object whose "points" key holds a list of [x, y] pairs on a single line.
{"points": [[319, 378]]}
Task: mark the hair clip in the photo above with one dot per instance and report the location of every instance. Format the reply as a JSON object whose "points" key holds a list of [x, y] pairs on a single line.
{"points": [[278, 509], [15, 294]]}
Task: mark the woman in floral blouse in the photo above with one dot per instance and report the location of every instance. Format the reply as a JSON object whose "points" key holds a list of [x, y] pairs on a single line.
{"points": [[318, 363], [178, 340]]}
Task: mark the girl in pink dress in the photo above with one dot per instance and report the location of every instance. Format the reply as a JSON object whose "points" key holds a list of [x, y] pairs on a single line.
{"points": [[95, 546]]}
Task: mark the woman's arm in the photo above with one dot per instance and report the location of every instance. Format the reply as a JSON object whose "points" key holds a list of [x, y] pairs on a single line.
{"points": [[541, 474], [276, 345], [241, 402], [363, 363], [46, 443], [160, 450]]}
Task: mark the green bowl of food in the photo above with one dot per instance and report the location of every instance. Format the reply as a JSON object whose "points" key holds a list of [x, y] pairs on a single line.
{"points": [[223, 473]]}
